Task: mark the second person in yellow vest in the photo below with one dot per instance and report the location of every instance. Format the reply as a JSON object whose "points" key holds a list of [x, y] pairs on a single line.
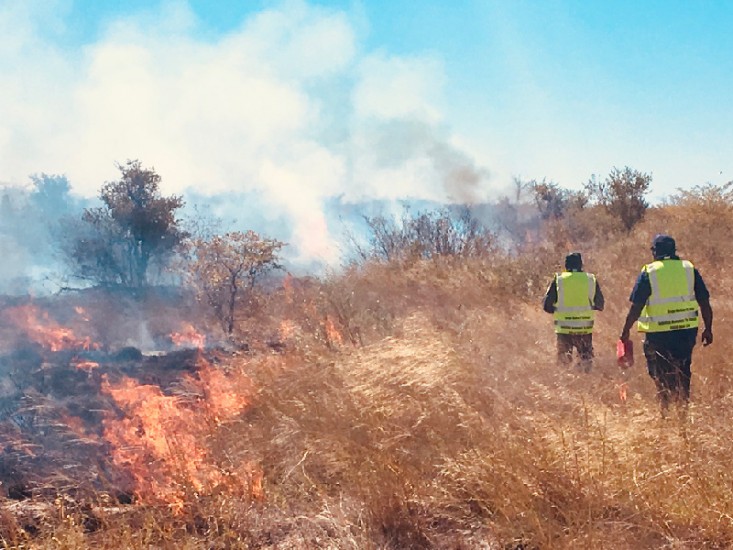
{"points": [[665, 301], [573, 297]]}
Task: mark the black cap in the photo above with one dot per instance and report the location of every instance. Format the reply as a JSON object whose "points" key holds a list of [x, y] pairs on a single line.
{"points": [[573, 261], [663, 246]]}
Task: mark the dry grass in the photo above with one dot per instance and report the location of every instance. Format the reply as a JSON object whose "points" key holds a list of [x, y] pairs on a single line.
{"points": [[440, 420]]}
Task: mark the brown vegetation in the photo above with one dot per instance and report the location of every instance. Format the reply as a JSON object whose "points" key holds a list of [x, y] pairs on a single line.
{"points": [[409, 403]]}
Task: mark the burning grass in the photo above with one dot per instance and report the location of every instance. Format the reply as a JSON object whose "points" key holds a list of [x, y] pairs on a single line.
{"points": [[410, 406]]}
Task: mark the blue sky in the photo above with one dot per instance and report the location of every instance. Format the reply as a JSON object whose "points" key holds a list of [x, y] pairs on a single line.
{"points": [[301, 101]]}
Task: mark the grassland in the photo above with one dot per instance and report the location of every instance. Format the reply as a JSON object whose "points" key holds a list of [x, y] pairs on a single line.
{"points": [[417, 404]]}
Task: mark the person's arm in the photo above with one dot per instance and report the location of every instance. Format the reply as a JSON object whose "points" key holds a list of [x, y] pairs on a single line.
{"points": [[631, 317], [548, 304], [639, 296], [707, 319], [599, 301], [702, 295]]}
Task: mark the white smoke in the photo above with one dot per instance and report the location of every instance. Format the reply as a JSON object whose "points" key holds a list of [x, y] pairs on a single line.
{"points": [[286, 105]]}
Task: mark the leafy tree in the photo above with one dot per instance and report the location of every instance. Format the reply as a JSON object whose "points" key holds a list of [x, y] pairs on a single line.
{"points": [[705, 197], [49, 201], [701, 219], [621, 194], [51, 196], [551, 199], [226, 269], [29, 216], [116, 243]]}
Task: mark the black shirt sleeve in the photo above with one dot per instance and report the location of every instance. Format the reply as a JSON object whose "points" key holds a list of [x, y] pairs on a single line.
{"points": [[548, 304], [599, 302], [701, 291], [642, 289]]}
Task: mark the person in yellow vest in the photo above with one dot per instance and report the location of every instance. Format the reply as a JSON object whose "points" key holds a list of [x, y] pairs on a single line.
{"points": [[664, 304], [573, 297]]}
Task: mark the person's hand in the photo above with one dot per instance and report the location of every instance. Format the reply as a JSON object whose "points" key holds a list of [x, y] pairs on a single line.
{"points": [[707, 337], [625, 335]]}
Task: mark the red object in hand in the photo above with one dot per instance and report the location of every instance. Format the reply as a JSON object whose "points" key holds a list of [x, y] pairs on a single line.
{"points": [[625, 353]]}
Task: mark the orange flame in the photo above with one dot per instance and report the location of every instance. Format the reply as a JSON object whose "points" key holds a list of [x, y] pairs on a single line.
{"points": [[223, 395], [85, 365], [188, 337], [40, 328], [74, 423], [81, 312], [162, 438], [153, 441], [333, 336], [622, 391]]}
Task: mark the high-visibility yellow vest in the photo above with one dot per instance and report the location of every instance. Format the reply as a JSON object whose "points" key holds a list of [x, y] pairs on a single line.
{"points": [[574, 307], [672, 304]]}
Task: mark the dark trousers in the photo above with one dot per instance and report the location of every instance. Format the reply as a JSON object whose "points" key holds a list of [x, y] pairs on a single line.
{"points": [[566, 343], [669, 362]]}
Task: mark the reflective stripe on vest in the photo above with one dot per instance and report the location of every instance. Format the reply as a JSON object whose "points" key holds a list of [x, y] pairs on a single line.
{"points": [[672, 304], [574, 307]]}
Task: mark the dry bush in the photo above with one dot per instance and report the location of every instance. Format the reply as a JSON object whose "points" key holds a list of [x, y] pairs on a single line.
{"points": [[701, 221], [361, 433], [430, 234], [369, 298], [622, 194], [588, 227]]}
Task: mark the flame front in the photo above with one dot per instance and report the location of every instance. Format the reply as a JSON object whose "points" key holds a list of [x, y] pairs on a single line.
{"points": [[333, 336], [188, 337], [161, 440], [40, 328]]}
